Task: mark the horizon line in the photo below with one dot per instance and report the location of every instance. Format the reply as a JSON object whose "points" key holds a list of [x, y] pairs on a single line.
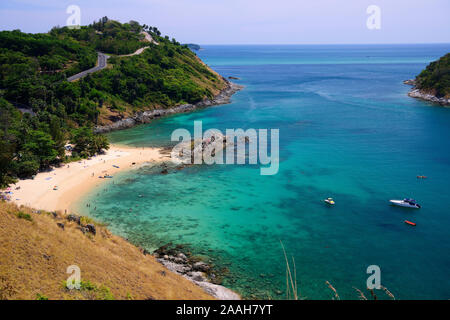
{"points": [[275, 44], [312, 43]]}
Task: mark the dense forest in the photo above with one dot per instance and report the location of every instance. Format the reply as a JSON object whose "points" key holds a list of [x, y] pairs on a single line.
{"points": [[33, 78], [436, 77]]}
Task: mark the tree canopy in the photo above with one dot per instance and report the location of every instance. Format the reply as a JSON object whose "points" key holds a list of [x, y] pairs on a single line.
{"points": [[33, 73], [436, 77]]}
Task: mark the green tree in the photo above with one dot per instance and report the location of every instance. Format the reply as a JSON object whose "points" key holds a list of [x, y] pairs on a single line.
{"points": [[41, 144], [87, 143], [6, 158]]}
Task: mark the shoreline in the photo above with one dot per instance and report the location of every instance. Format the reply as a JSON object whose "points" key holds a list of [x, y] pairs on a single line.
{"points": [[419, 94], [78, 178], [75, 179], [60, 188], [142, 117]]}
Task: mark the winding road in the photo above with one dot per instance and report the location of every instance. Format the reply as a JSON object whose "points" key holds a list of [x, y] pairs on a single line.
{"points": [[102, 59], [101, 64]]}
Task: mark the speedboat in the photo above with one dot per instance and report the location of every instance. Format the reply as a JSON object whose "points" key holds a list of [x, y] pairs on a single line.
{"points": [[329, 201], [407, 203]]}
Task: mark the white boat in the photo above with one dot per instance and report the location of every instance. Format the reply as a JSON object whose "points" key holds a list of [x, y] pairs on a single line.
{"points": [[407, 203], [330, 201]]}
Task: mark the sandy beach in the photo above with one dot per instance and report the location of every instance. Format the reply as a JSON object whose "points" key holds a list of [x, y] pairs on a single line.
{"points": [[76, 178]]}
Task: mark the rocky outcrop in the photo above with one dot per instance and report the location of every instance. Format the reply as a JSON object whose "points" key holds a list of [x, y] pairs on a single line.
{"points": [[198, 272], [410, 82], [75, 218], [91, 229], [420, 94], [146, 116], [416, 93], [199, 278]]}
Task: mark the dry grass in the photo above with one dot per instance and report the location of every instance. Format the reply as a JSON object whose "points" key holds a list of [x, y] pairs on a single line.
{"points": [[360, 294], [34, 256], [292, 287], [336, 295], [291, 281], [388, 293]]}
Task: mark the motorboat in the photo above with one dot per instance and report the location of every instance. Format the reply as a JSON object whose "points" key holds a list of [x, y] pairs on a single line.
{"points": [[330, 201], [407, 203]]}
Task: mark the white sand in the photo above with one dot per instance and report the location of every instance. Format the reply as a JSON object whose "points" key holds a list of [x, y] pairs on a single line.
{"points": [[76, 178]]}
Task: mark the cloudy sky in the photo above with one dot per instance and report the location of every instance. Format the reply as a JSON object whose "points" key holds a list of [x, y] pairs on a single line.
{"points": [[249, 21]]}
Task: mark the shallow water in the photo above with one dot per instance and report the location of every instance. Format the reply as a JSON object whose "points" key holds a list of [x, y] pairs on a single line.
{"points": [[347, 130]]}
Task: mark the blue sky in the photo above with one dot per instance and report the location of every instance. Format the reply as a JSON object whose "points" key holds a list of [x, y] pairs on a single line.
{"points": [[249, 21]]}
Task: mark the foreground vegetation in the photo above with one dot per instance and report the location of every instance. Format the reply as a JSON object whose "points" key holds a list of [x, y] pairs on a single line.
{"points": [[33, 73], [35, 261], [435, 79]]}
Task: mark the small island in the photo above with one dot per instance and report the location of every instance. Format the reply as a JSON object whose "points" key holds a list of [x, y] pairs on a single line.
{"points": [[193, 46], [433, 83]]}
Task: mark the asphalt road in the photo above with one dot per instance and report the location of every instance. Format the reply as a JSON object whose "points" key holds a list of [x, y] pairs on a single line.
{"points": [[102, 60], [101, 64]]}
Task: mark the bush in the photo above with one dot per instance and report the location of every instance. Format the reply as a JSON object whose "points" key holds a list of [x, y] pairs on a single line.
{"points": [[41, 297], [93, 291], [26, 216]]}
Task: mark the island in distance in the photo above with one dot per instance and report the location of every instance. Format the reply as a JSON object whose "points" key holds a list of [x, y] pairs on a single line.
{"points": [[193, 46]]}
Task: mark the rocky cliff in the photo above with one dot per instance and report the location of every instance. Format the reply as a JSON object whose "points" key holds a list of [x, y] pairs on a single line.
{"points": [[146, 116], [427, 96]]}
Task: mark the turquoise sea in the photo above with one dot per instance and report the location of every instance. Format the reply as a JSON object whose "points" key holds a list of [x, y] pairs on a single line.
{"points": [[348, 131]]}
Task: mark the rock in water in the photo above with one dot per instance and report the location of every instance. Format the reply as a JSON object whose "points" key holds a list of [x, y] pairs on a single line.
{"points": [[201, 266], [196, 275]]}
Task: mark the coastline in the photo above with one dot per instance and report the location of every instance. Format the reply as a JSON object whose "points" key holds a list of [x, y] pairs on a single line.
{"points": [[224, 97], [73, 180], [78, 178], [422, 95]]}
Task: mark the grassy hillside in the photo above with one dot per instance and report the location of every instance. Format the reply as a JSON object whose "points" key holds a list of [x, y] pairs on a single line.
{"points": [[35, 253], [33, 73], [435, 79]]}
